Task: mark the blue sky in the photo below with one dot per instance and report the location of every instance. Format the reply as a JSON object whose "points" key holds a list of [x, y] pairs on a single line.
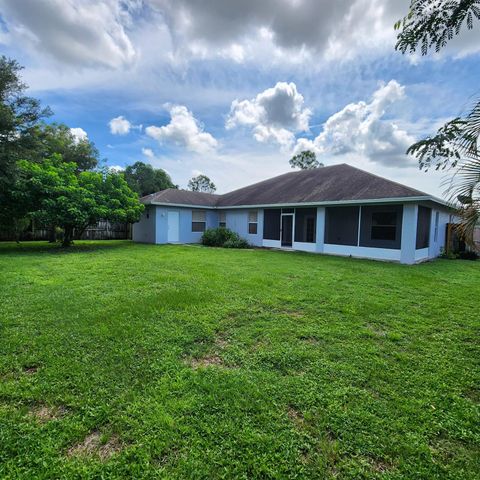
{"points": [[233, 89]]}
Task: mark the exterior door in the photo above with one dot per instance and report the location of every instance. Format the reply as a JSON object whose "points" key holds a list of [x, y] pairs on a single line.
{"points": [[287, 230], [173, 234]]}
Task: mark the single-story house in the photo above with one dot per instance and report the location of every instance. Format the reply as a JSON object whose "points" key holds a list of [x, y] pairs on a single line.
{"points": [[338, 210]]}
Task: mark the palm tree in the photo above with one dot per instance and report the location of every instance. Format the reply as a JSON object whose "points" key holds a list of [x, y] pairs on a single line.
{"points": [[432, 24]]}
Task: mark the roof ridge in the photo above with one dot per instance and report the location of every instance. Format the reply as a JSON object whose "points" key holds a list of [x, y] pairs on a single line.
{"points": [[387, 179], [281, 175]]}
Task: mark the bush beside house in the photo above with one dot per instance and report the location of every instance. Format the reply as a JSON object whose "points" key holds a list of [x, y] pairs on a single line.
{"points": [[223, 237]]}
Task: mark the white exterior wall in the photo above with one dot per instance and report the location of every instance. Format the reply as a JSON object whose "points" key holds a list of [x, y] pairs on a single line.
{"points": [[153, 230], [144, 231], [438, 243], [409, 233], [421, 254], [363, 252]]}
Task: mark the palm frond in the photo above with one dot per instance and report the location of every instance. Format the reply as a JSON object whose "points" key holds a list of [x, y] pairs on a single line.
{"points": [[433, 23]]}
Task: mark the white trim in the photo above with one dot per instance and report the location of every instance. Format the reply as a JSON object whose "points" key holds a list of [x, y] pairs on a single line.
{"points": [[271, 243], [305, 246], [293, 227], [182, 205], [363, 252], [424, 198], [421, 254]]}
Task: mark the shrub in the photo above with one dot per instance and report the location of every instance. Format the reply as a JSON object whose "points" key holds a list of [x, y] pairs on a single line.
{"points": [[465, 255], [216, 237], [223, 237], [468, 255], [237, 242]]}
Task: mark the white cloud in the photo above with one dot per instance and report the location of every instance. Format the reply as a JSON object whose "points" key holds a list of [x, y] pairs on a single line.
{"points": [[119, 126], [274, 114], [87, 33], [148, 152], [79, 134], [320, 28], [184, 131], [116, 168], [360, 128]]}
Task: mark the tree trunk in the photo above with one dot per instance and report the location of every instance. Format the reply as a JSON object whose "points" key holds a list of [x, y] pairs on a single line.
{"points": [[52, 234], [67, 236]]}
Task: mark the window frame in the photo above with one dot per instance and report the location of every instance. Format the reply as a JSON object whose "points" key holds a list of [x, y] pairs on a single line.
{"points": [[385, 226], [424, 220], [199, 226], [437, 222], [252, 225], [366, 223], [306, 217], [272, 223], [222, 219], [345, 217]]}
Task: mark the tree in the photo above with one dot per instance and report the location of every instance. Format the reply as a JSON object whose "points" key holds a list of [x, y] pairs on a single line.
{"points": [[306, 160], [19, 117], [57, 138], [54, 193], [201, 183], [144, 179], [432, 24]]}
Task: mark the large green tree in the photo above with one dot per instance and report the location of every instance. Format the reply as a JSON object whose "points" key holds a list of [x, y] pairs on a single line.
{"points": [[19, 118], [55, 193], [57, 138], [201, 183], [431, 24], [144, 179]]}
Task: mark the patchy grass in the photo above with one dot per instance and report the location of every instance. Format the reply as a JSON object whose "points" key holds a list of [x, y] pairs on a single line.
{"points": [[140, 361]]}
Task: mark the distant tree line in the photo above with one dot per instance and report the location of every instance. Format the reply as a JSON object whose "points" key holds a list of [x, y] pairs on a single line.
{"points": [[52, 177], [48, 174]]}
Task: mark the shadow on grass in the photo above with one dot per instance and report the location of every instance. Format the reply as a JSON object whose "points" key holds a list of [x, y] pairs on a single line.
{"points": [[79, 246]]}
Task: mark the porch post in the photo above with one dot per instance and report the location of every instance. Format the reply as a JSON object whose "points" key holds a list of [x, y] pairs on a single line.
{"points": [[320, 229], [409, 233]]}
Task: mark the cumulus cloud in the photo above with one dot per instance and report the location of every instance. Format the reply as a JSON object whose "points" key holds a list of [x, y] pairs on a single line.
{"points": [[148, 152], [79, 134], [273, 115], [87, 33], [321, 27], [360, 128], [184, 131], [119, 126]]}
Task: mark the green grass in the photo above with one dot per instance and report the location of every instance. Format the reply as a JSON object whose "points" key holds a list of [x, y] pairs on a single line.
{"points": [[120, 360]]}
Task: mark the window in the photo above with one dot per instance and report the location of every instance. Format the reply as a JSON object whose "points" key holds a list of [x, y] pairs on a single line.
{"points": [[222, 219], [341, 225], [305, 225], [288, 210], [198, 220], [384, 226], [435, 234], [252, 221], [423, 227], [271, 223], [381, 226]]}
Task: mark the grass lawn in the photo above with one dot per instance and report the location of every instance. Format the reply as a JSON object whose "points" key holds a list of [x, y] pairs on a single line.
{"points": [[120, 360]]}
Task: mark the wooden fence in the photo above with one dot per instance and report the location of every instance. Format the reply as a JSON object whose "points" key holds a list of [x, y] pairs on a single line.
{"points": [[454, 243], [103, 230]]}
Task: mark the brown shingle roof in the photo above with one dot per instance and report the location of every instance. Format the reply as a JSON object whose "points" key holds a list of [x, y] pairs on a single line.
{"points": [[328, 184], [182, 197]]}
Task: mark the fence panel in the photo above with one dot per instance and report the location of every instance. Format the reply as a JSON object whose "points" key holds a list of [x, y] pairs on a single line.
{"points": [[103, 230]]}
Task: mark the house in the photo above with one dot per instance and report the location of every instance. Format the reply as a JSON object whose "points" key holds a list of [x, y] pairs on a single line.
{"points": [[338, 210]]}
